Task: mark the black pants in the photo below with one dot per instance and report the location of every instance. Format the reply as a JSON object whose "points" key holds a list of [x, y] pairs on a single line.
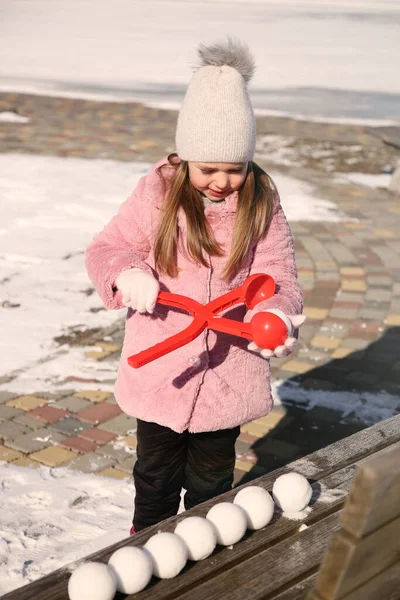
{"points": [[201, 463]]}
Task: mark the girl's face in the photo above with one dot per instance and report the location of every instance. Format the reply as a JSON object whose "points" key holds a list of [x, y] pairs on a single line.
{"points": [[217, 180]]}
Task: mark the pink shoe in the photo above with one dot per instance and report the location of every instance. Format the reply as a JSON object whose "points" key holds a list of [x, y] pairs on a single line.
{"points": [[132, 531]]}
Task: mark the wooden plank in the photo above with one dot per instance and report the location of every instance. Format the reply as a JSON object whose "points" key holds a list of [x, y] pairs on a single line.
{"points": [[334, 463], [263, 576], [349, 563], [375, 497], [386, 586], [297, 591]]}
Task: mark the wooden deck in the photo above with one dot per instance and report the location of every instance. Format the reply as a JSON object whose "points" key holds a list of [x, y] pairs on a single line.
{"points": [[275, 563]]}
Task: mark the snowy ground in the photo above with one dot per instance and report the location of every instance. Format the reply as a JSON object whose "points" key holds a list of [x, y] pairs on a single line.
{"points": [[316, 58], [359, 407], [51, 517]]}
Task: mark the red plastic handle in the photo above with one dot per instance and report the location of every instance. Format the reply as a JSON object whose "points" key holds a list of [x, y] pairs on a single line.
{"points": [[265, 329], [168, 345]]}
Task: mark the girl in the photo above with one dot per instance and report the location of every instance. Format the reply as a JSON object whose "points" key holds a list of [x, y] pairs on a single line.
{"points": [[198, 224]]}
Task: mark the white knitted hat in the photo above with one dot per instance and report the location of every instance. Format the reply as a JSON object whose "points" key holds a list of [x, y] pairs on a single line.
{"points": [[216, 121]]}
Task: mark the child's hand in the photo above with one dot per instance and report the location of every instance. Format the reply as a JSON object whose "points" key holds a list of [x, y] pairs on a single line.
{"points": [[292, 322], [139, 289]]}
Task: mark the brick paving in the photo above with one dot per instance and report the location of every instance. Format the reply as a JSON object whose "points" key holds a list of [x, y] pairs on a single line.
{"points": [[349, 271]]}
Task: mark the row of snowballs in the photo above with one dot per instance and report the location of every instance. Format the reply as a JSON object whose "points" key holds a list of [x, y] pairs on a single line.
{"points": [[164, 555]]}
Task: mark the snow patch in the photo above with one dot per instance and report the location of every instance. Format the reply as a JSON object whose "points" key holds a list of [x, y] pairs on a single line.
{"points": [[51, 517], [12, 117]]}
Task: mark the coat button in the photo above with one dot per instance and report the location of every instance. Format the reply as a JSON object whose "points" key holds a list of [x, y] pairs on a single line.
{"points": [[213, 218]]}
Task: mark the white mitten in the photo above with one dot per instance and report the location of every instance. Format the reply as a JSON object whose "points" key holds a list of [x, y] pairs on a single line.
{"points": [[292, 322], [139, 289]]}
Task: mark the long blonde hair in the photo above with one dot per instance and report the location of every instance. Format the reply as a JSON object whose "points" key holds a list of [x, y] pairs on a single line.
{"points": [[253, 216]]}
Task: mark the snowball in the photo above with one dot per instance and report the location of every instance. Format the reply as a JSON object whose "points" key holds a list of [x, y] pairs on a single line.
{"points": [[92, 581], [168, 553], [230, 522], [132, 567], [292, 492], [257, 504], [199, 536]]}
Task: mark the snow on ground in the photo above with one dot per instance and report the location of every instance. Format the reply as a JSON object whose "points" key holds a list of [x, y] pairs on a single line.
{"points": [[375, 181], [355, 407], [314, 58], [51, 208], [52, 517], [12, 117], [331, 156]]}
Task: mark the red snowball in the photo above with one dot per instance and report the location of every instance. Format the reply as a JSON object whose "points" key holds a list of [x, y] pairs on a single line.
{"points": [[268, 330]]}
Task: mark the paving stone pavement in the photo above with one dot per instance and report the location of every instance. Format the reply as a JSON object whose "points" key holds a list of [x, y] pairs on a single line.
{"points": [[349, 271]]}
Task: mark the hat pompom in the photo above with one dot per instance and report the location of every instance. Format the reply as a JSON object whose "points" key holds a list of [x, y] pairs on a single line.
{"points": [[231, 53]]}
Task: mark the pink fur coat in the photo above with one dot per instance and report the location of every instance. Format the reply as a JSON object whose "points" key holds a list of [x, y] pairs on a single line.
{"points": [[213, 382]]}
